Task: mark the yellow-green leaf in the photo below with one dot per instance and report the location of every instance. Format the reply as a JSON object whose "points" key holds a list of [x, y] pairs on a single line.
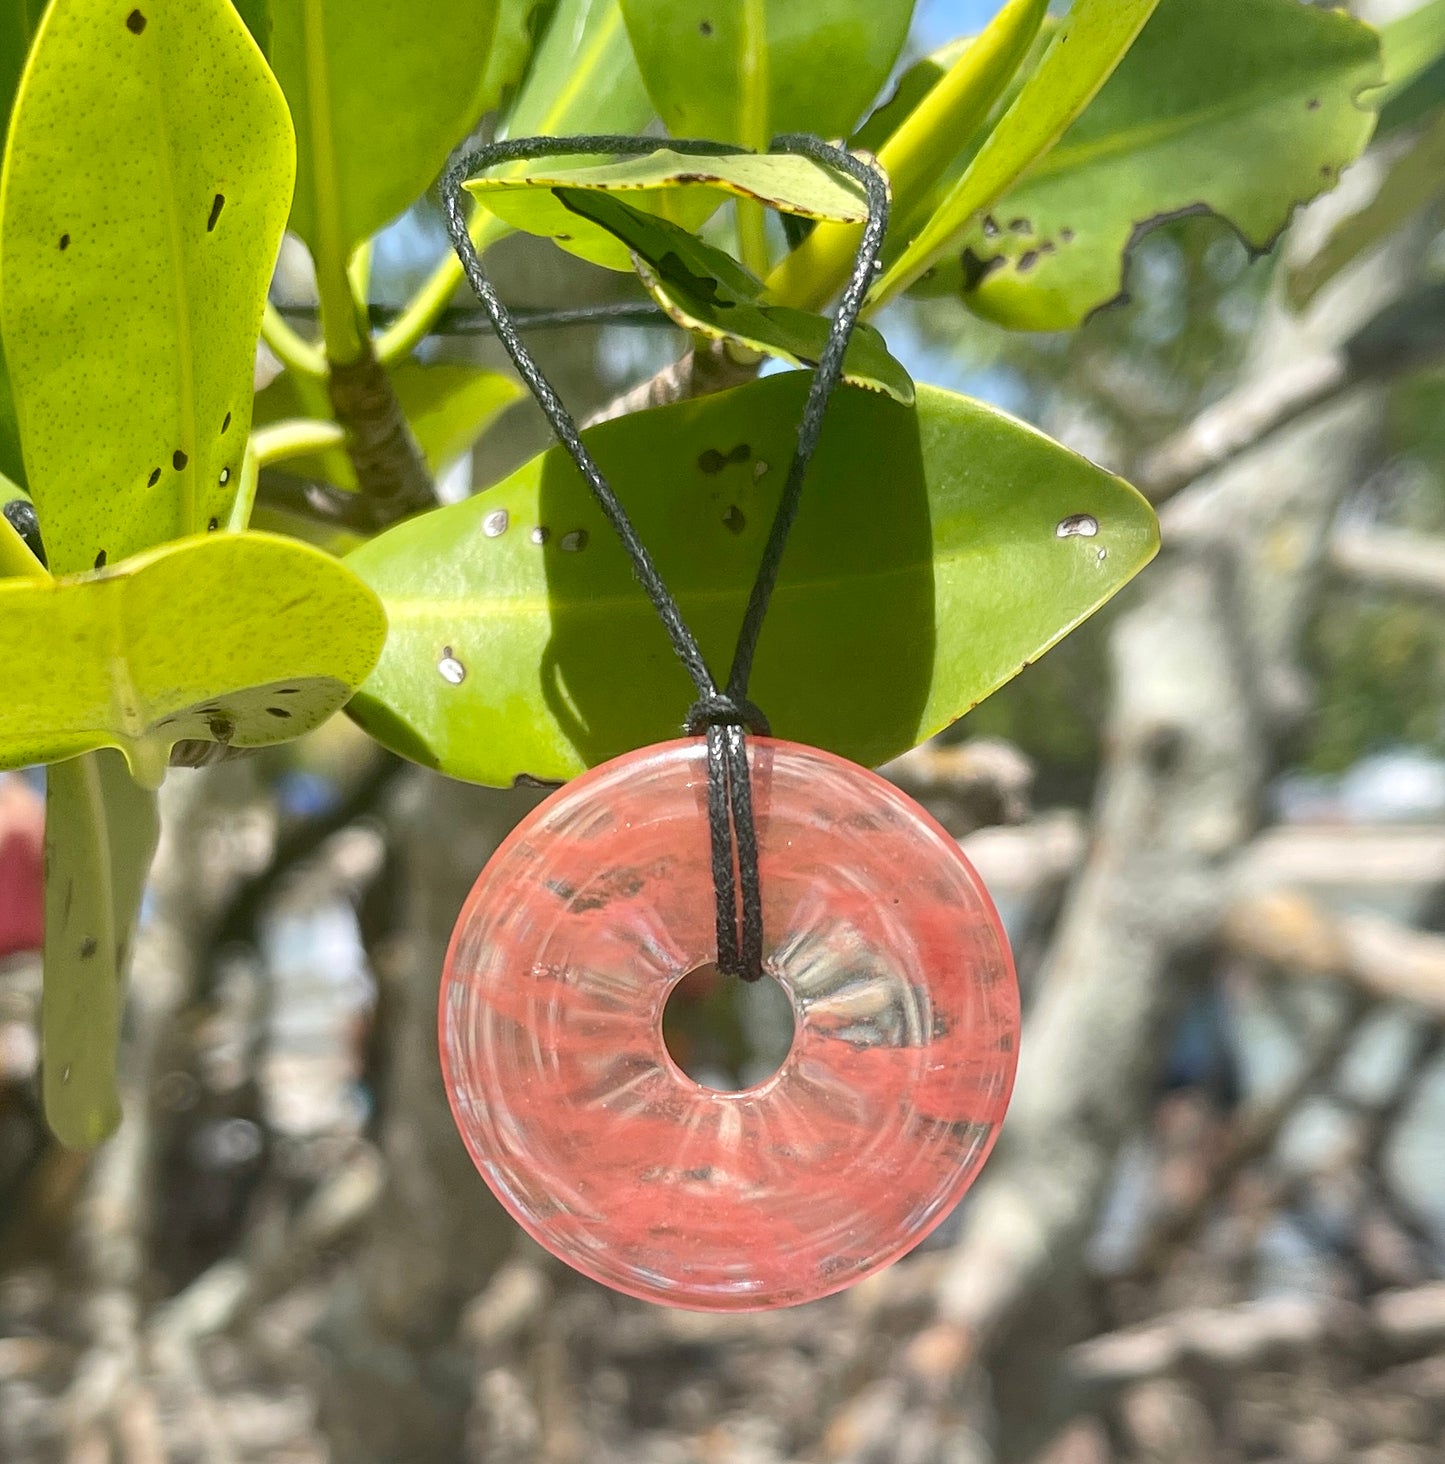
{"points": [[145, 191], [100, 835], [1090, 43], [243, 639]]}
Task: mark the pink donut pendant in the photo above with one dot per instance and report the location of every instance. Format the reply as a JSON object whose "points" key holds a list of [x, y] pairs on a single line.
{"points": [[880, 1117]]}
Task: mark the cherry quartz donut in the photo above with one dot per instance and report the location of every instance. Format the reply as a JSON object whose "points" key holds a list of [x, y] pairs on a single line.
{"points": [[884, 1110]]}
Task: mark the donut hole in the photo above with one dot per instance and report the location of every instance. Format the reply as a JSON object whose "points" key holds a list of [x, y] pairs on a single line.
{"points": [[728, 1035]]}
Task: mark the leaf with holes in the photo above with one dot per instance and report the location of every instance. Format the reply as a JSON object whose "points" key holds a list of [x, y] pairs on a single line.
{"points": [[936, 552], [101, 831], [1272, 85], [144, 196], [684, 188], [746, 70], [707, 291], [381, 91], [449, 405], [1086, 48], [236, 638]]}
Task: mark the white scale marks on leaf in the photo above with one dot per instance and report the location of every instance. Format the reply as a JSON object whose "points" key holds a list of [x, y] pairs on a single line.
{"points": [[1078, 526], [496, 523], [451, 669]]}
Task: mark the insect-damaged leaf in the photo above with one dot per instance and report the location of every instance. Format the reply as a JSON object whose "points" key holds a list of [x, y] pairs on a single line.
{"points": [[145, 191], [1272, 86], [237, 638], [936, 551], [683, 187], [707, 291]]}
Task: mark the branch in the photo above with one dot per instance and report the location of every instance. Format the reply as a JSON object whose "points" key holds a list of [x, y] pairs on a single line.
{"points": [[1391, 559], [1379, 956], [1251, 1334], [390, 469], [709, 367]]}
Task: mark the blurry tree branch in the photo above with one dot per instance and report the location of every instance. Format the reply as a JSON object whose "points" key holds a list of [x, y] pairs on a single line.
{"points": [[1379, 956], [1390, 559], [1253, 1334]]}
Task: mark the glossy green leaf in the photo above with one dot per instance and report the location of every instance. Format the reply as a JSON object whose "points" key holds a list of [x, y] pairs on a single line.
{"points": [[1412, 181], [235, 638], [746, 70], [685, 188], [144, 197], [1272, 85], [707, 291], [912, 86], [935, 553], [381, 91], [449, 405], [101, 831], [1090, 43]]}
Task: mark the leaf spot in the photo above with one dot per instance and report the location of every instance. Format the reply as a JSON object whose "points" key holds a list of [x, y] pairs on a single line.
{"points": [[88, 947], [154, 478], [540, 535], [135, 22], [225, 476], [1102, 555], [735, 519], [179, 460], [100, 560], [761, 470], [64, 242], [217, 204], [451, 669], [212, 525], [976, 269], [226, 425], [496, 523], [223, 729], [574, 542], [704, 27], [1313, 105], [1066, 234], [713, 461], [1020, 226], [65, 1073], [990, 227], [1077, 526], [278, 712]]}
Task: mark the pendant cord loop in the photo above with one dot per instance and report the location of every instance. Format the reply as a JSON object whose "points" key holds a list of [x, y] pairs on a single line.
{"points": [[725, 715]]}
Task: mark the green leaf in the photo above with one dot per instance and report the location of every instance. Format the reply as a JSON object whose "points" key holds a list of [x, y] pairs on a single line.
{"points": [[1413, 51], [686, 188], [235, 638], [583, 77], [19, 20], [935, 553], [1087, 47], [1412, 181], [516, 34], [101, 832], [911, 88], [449, 405], [381, 91], [1278, 98], [144, 197], [706, 290], [746, 70], [257, 15]]}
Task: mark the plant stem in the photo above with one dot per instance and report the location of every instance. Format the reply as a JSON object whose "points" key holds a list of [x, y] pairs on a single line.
{"points": [[425, 308], [289, 347], [295, 437], [919, 152]]}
